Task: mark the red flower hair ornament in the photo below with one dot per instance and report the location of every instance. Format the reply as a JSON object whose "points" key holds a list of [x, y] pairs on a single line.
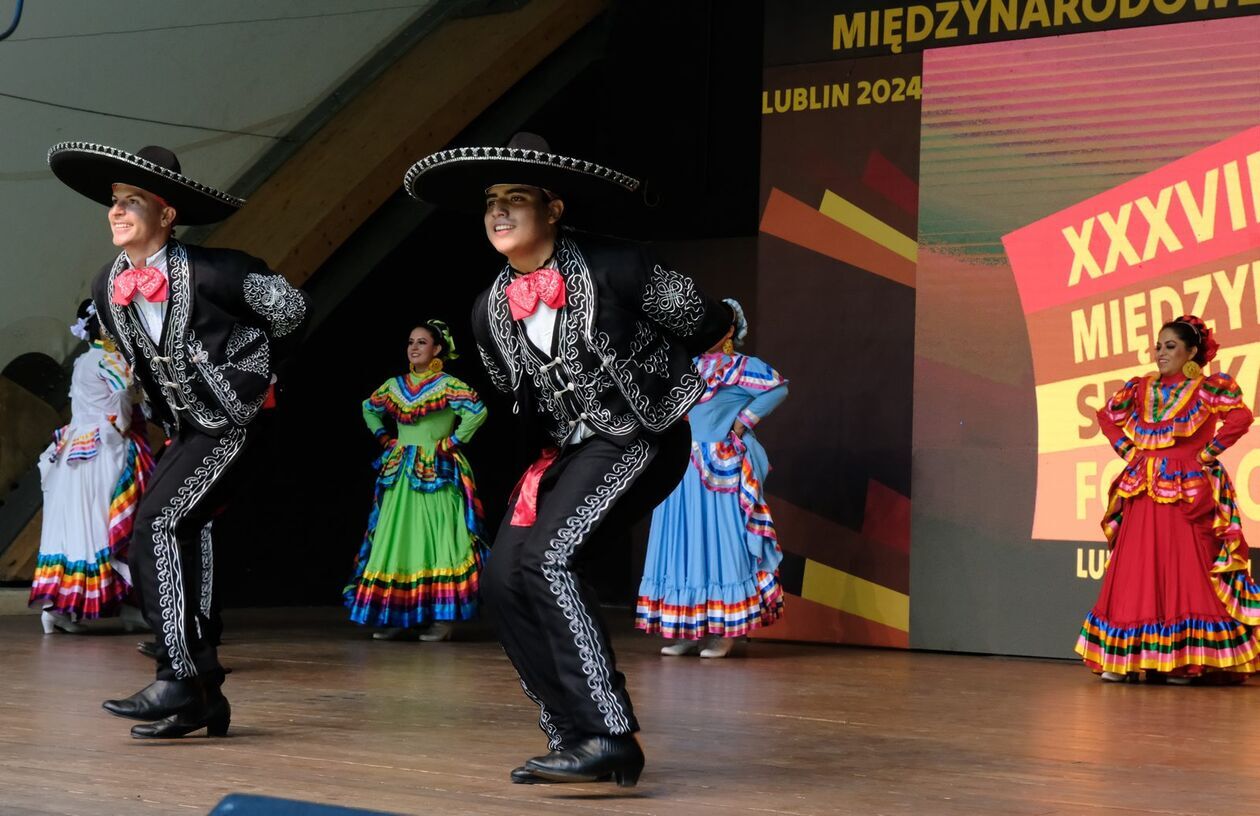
{"points": [[1206, 341]]}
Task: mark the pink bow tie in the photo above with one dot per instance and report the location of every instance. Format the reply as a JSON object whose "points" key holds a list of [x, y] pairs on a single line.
{"points": [[146, 280], [524, 293]]}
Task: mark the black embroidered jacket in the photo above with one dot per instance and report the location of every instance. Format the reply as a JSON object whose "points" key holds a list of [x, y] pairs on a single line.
{"points": [[228, 319], [621, 353]]}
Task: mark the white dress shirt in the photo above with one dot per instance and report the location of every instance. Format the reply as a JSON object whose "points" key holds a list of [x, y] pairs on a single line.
{"points": [[152, 315], [540, 328]]}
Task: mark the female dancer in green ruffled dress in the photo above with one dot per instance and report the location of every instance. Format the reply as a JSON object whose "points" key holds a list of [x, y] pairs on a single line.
{"points": [[421, 557]]}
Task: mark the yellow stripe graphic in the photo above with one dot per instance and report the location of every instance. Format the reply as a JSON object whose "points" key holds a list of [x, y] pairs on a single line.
{"points": [[860, 221], [857, 596]]}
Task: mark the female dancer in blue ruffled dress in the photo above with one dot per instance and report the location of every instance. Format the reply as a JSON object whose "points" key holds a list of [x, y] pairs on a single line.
{"points": [[712, 558]]}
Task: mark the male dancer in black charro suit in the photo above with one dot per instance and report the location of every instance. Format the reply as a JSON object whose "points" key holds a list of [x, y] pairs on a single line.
{"points": [[202, 329], [593, 339]]}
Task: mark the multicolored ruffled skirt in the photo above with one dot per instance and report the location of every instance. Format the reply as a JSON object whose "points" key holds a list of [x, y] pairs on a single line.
{"points": [[422, 554], [712, 558], [81, 569], [1177, 597]]}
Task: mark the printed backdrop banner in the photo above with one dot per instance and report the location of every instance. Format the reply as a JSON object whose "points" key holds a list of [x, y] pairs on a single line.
{"points": [[971, 231], [1099, 278]]}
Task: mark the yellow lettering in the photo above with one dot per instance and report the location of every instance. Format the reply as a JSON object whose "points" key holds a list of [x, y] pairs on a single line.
{"points": [[1202, 218], [1089, 340], [1066, 10], [1132, 8], [972, 9], [1037, 12], [1117, 330], [1234, 196], [918, 23], [944, 29], [1004, 12], [1232, 292], [1201, 288], [1082, 258], [1098, 561], [1116, 229], [1135, 322], [892, 29], [1156, 216], [1169, 6], [1253, 175], [800, 99], [848, 32], [1095, 14]]}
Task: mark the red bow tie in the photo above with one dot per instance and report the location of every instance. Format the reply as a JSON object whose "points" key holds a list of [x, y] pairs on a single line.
{"points": [[146, 280], [524, 293]]}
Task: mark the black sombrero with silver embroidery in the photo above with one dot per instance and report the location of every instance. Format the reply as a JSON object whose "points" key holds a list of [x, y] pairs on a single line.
{"points": [[458, 178], [92, 169]]}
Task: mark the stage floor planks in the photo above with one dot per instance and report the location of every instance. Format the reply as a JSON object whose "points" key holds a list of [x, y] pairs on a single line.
{"points": [[321, 712]]}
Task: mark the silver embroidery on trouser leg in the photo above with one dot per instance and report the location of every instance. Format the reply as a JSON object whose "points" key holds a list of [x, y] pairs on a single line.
{"points": [[554, 740], [556, 570], [207, 567], [168, 563]]}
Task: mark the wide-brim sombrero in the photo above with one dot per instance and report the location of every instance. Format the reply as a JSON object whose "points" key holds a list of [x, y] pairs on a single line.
{"points": [[92, 170], [457, 179]]}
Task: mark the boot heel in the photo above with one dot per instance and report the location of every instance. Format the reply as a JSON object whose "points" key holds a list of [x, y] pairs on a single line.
{"points": [[627, 777], [48, 621], [218, 726]]}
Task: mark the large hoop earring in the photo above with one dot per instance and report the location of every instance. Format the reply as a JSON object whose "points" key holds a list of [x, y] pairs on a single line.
{"points": [[728, 347], [1191, 369], [435, 364]]}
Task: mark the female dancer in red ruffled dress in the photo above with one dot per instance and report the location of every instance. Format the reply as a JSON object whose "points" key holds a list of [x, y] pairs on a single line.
{"points": [[1177, 602]]}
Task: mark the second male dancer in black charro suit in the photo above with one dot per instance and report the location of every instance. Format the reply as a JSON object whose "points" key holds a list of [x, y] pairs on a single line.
{"points": [[593, 338], [202, 329]]}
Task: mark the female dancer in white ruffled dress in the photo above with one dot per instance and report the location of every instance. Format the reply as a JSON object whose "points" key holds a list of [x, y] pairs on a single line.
{"points": [[92, 474]]}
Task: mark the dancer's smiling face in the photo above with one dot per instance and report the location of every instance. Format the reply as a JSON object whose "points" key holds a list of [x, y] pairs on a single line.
{"points": [[422, 347], [520, 219], [139, 221], [1171, 352]]}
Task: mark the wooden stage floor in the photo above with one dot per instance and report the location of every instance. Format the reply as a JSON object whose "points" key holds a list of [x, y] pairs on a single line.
{"points": [[323, 713]]}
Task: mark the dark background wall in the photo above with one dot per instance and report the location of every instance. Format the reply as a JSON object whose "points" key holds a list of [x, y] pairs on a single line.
{"points": [[672, 98]]}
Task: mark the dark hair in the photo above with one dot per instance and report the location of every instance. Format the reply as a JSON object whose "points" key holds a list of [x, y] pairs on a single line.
{"points": [[435, 335], [92, 323], [1188, 335]]}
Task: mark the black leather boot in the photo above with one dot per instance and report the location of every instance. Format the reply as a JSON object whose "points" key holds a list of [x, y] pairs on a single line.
{"points": [[148, 648], [212, 713], [524, 776], [591, 758], [159, 699]]}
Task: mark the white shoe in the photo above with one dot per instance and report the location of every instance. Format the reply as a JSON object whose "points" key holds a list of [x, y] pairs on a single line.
{"points": [[133, 620], [718, 647], [1114, 677], [55, 620], [1179, 681], [682, 647], [439, 631], [396, 633]]}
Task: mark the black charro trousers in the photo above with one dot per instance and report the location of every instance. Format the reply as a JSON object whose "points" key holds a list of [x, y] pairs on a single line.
{"points": [[547, 617], [172, 552]]}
